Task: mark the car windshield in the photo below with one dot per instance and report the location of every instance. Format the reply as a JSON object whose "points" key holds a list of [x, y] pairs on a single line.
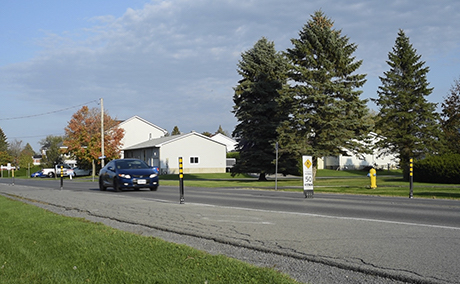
{"points": [[132, 165]]}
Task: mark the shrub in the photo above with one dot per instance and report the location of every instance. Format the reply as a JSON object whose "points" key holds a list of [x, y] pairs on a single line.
{"points": [[438, 169], [235, 155]]}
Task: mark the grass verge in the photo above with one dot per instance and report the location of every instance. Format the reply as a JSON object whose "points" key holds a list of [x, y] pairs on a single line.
{"points": [[389, 183], [37, 246]]}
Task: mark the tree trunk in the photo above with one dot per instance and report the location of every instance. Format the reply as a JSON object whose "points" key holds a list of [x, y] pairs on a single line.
{"points": [[262, 177]]}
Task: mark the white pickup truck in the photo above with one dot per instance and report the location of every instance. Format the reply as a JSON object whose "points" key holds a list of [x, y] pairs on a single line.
{"points": [[56, 172]]}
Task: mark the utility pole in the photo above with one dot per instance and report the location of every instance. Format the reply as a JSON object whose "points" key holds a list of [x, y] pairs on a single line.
{"points": [[276, 167], [102, 133]]}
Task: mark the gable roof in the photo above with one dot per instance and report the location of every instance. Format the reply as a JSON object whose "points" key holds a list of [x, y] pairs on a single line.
{"points": [[142, 120], [156, 143], [223, 137]]}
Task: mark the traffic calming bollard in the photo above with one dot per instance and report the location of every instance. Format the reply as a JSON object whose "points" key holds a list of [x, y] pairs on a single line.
{"points": [[181, 181]]}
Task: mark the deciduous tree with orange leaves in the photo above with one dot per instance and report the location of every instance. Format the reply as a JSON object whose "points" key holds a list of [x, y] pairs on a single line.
{"points": [[83, 137]]}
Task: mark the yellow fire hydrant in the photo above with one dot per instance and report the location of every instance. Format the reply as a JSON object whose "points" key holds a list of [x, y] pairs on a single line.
{"points": [[373, 175]]}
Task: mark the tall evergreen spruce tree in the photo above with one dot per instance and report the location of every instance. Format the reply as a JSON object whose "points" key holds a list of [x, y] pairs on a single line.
{"points": [[256, 108], [326, 112], [3, 141], [450, 119], [4, 145], [175, 131], [407, 122]]}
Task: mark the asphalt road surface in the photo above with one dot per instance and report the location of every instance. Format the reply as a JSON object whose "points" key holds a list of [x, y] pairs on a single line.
{"points": [[402, 239]]}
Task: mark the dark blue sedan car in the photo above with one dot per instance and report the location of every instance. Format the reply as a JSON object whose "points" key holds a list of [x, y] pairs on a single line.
{"points": [[128, 173]]}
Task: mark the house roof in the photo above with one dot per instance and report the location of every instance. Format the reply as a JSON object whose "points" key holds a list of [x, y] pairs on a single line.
{"points": [[224, 137], [156, 143], [143, 120]]}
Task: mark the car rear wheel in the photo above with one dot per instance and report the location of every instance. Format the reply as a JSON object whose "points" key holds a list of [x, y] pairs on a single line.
{"points": [[101, 185], [51, 175]]}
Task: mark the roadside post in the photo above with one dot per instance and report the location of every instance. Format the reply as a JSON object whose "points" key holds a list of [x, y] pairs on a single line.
{"points": [[181, 181], [62, 176], [8, 168], [276, 167], [411, 178], [307, 176]]}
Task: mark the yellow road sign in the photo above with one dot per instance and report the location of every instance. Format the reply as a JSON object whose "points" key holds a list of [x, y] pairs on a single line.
{"points": [[307, 176]]}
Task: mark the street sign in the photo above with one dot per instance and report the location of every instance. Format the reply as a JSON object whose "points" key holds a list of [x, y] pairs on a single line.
{"points": [[307, 166]]}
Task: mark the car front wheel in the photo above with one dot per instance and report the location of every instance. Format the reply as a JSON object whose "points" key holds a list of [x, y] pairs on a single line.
{"points": [[155, 188], [101, 185], [116, 187]]}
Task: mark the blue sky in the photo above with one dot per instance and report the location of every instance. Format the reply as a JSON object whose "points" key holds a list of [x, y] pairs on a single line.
{"points": [[174, 62]]}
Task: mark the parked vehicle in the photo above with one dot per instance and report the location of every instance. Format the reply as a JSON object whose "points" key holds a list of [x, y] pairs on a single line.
{"points": [[37, 174], [78, 172], [128, 173], [56, 171]]}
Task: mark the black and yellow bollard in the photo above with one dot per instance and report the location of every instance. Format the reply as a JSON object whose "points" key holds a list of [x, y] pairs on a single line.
{"points": [[62, 177], [181, 181], [411, 178]]}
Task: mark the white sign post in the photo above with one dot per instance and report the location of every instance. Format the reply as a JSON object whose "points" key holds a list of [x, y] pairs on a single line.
{"points": [[307, 166]]}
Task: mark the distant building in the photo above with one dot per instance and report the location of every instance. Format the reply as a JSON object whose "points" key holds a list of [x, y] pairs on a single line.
{"points": [[355, 162], [230, 143], [37, 159], [200, 153], [138, 130]]}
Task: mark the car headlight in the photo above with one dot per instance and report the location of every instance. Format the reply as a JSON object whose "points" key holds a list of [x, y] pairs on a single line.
{"points": [[124, 175], [153, 175]]}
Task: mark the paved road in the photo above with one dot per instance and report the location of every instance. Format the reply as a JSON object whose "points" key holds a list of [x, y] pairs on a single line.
{"points": [[406, 239]]}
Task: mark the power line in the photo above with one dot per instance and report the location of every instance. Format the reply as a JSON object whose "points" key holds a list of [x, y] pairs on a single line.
{"points": [[50, 112], [35, 136]]}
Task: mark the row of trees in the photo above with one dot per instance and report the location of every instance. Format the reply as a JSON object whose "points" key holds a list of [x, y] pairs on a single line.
{"points": [[15, 153], [220, 130], [307, 101], [82, 140]]}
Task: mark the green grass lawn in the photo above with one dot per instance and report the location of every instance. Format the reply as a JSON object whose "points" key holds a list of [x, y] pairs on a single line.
{"points": [[389, 183], [37, 246]]}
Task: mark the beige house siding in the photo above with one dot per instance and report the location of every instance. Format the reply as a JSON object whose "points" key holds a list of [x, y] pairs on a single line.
{"points": [[357, 162], [138, 130], [229, 142], [211, 156], [199, 153]]}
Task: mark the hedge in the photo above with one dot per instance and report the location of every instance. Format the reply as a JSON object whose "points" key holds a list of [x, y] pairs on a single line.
{"points": [[438, 169]]}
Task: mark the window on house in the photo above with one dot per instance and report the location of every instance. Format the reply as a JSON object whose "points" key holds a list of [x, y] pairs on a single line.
{"points": [[193, 160]]}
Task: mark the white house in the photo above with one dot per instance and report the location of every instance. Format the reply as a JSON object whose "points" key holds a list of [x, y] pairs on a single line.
{"points": [[224, 139], [352, 162], [199, 153], [138, 130]]}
